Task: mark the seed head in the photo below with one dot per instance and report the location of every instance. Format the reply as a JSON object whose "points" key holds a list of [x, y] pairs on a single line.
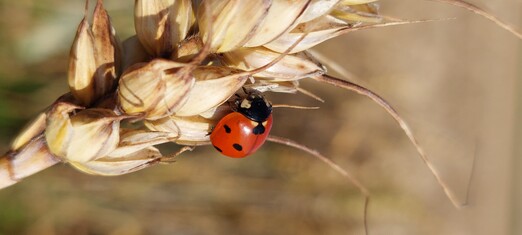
{"points": [[178, 73]]}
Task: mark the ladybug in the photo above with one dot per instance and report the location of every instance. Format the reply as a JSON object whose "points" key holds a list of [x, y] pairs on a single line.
{"points": [[242, 132]]}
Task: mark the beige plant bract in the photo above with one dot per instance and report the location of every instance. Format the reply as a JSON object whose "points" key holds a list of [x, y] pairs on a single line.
{"points": [[191, 130], [291, 67], [214, 85], [119, 165], [316, 9], [83, 136], [367, 13], [232, 22], [34, 128], [134, 152], [161, 24], [317, 30], [58, 130], [94, 61], [148, 89], [282, 16], [82, 65]]}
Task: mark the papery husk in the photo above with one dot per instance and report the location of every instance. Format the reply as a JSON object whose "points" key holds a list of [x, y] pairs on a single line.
{"points": [[107, 52], [364, 13], [37, 125], [82, 136], [59, 131], [115, 166], [231, 23], [214, 85], [188, 49], [94, 60], [316, 9], [291, 67], [193, 130], [82, 65], [135, 140], [190, 130], [317, 31], [148, 90], [95, 134], [31, 130], [282, 16], [134, 152], [161, 24]]}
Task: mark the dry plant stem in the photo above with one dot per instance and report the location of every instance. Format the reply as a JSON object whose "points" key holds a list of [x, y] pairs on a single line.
{"points": [[331, 164], [479, 11], [26, 161], [407, 130]]}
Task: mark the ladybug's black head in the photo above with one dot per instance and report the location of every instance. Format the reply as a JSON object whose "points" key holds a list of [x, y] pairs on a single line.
{"points": [[254, 106]]}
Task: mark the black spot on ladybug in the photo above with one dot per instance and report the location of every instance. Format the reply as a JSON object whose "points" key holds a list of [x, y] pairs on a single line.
{"points": [[238, 147], [227, 129], [218, 149], [259, 129]]}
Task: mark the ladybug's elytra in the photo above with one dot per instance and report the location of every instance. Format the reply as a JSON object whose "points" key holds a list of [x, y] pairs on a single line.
{"points": [[243, 131]]}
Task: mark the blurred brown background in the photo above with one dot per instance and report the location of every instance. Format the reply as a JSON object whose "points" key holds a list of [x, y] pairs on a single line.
{"points": [[456, 82]]}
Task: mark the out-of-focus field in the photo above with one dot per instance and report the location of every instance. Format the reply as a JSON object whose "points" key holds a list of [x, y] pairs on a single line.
{"points": [[455, 81]]}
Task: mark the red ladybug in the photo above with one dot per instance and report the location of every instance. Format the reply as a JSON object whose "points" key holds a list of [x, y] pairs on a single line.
{"points": [[243, 131]]}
